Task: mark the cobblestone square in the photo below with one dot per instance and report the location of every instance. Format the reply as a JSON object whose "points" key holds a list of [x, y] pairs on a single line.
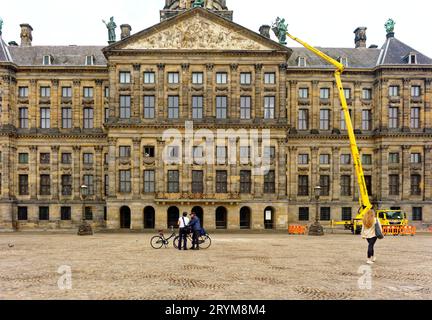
{"points": [[237, 266]]}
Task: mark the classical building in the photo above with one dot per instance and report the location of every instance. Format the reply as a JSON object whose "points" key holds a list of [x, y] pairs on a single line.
{"points": [[74, 116]]}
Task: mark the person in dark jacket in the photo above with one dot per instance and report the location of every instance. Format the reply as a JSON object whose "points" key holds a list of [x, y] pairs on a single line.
{"points": [[183, 231], [195, 224]]}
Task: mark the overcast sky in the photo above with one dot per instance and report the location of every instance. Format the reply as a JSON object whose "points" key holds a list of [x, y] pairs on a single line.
{"points": [[322, 23]]}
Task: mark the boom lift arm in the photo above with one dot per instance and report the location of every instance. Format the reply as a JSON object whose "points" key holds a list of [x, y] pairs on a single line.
{"points": [[364, 196]]}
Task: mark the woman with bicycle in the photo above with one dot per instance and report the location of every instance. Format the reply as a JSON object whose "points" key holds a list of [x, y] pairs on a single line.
{"points": [[183, 223]]}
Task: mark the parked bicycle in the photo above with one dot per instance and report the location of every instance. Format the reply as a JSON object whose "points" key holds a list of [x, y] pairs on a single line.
{"points": [[157, 242], [204, 241]]}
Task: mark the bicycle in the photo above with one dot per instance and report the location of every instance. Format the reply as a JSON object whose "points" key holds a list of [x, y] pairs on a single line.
{"points": [[159, 241], [204, 241]]}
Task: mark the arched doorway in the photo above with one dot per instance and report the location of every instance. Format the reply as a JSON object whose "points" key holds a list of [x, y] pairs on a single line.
{"points": [[125, 218], [200, 214], [245, 218], [149, 218], [269, 218], [221, 218], [173, 216]]}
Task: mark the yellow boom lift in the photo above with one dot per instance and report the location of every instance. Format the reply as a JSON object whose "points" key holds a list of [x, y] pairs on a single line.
{"points": [[386, 217]]}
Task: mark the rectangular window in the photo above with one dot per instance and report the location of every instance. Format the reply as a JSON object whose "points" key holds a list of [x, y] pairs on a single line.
{"points": [[89, 61], [149, 107], [23, 92], [125, 152], [149, 78], [394, 185], [66, 183], [173, 181], [89, 182], [23, 118], [221, 181], [66, 158], [245, 155], [394, 91], [343, 124], [45, 92], [345, 159], [106, 115], [106, 159], [149, 181], [22, 213], [46, 60], [325, 159], [106, 185], [88, 158], [346, 214], [368, 182], [415, 91], [245, 108], [88, 214], [221, 107], [173, 107], [125, 181], [45, 118], [394, 158], [149, 151], [43, 213], [173, 78], [393, 118], [221, 155], [270, 182], [197, 78], [347, 93], [245, 182], [303, 159], [367, 159], [106, 92], [417, 214], [269, 78], [346, 186], [88, 92], [366, 120], [197, 107], [125, 77], [125, 107], [325, 93], [198, 155], [45, 158], [221, 78], [325, 214], [245, 78], [415, 118], [66, 213], [197, 181], [367, 94], [415, 185], [303, 214], [67, 118], [416, 158], [303, 119], [270, 153], [325, 185], [88, 118], [23, 185], [303, 185], [45, 185], [23, 158], [303, 93], [269, 107], [325, 119]]}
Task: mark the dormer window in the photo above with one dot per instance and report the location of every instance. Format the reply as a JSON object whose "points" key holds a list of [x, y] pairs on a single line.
{"points": [[90, 60], [301, 61], [47, 60], [344, 61], [412, 58]]}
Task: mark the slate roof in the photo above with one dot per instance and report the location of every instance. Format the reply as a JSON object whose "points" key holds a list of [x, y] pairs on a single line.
{"points": [[395, 52], [357, 58], [61, 55], [4, 52]]}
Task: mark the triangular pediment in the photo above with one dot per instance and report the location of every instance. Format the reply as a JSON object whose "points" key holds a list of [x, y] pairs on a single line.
{"points": [[198, 29]]}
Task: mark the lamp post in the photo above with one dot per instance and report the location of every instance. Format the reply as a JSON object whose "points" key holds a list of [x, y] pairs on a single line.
{"points": [[84, 229], [316, 229]]}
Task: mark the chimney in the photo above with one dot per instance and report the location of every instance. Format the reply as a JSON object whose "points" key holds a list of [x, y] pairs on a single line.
{"points": [[26, 35], [360, 37], [265, 31], [125, 31]]}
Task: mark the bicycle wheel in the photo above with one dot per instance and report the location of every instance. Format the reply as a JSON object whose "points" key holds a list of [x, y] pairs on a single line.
{"points": [[157, 242], [205, 242], [176, 242]]}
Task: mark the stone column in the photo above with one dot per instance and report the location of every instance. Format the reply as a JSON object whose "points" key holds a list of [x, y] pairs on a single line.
{"points": [[336, 174], [292, 104], [315, 106], [233, 217], [428, 105], [315, 164], [160, 168], [99, 113], [33, 105], [357, 110], [258, 105], [137, 97], [282, 109], [161, 92], [136, 171], [234, 104], [55, 172], [428, 172], [209, 110], [406, 112], [337, 107], [99, 190], [383, 115], [77, 105], [5, 174], [33, 172], [113, 96], [281, 159], [77, 172], [55, 114], [185, 106], [381, 169], [406, 177], [112, 167], [292, 173], [5, 116]]}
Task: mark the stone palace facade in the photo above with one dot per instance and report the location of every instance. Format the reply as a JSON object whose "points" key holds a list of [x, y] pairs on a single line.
{"points": [[96, 116]]}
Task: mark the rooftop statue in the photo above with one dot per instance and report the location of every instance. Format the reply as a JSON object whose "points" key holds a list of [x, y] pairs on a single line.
{"points": [[198, 4], [390, 24], [280, 28], [111, 26], [1, 25]]}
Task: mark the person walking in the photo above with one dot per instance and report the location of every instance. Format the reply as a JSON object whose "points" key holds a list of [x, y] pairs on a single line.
{"points": [[195, 224], [371, 231], [184, 230]]}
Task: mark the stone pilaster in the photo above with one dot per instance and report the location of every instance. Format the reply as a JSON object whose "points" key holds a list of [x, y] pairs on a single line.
{"points": [[209, 110], [406, 175], [406, 110], [137, 96], [384, 112], [5, 174], [428, 105], [112, 167], [160, 112], [160, 168], [293, 104], [336, 180], [113, 98], [428, 172], [185, 105], [259, 109], [55, 112], [33, 105], [234, 105], [77, 105], [55, 172], [77, 172], [99, 189], [136, 172], [33, 172], [282, 109], [381, 169], [281, 164], [99, 105], [314, 117], [357, 110], [292, 173], [315, 165]]}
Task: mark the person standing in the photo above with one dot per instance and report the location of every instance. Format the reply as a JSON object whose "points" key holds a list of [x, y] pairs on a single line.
{"points": [[369, 232], [183, 226], [195, 224]]}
